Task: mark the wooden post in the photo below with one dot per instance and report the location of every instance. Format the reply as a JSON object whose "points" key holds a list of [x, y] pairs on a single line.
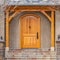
{"points": [[52, 31], [7, 30]]}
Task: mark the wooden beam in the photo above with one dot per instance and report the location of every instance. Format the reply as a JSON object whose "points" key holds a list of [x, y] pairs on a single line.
{"points": [[14, 14], [7, 8], [49, 18], [14, 8], [52, 29], [7, 29], [31, 8]]}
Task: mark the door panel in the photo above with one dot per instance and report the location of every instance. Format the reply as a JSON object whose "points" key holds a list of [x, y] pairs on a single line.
{"points": [[30, 31]]}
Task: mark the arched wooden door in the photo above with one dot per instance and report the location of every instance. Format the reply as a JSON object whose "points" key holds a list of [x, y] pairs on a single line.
{"points": [[30, 31]]}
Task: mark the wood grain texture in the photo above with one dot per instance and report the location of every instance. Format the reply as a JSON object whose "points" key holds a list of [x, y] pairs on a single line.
{"points": [[30, 25]]}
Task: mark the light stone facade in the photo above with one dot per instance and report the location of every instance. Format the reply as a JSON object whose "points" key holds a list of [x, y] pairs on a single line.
{"points": [[2, 33], [29, 54]]}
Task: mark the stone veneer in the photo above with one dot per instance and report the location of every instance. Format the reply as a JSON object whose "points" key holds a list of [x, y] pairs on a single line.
{"points": [[30, 54], [2, 33]]}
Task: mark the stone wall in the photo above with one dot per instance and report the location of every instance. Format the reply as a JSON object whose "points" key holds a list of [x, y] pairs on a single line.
{"points": [[30, 54], [57, 33], [2, 24], [2, 33], [57, 24]]}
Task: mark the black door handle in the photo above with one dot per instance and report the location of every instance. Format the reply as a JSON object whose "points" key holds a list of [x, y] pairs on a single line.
{"points": [[37, 35]]}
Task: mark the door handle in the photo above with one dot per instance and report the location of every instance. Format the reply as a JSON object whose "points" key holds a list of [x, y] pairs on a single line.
{"points": [[37, 35]]}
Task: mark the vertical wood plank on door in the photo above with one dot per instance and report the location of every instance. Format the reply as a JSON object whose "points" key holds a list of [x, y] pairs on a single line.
{"points": [[30, 25]]}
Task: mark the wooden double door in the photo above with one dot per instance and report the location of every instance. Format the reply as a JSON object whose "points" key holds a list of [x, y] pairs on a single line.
{"points": [[30, 31]]}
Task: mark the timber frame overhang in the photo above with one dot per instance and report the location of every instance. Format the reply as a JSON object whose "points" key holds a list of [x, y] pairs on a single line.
{"points": [[17, 9], [34, 8]]}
